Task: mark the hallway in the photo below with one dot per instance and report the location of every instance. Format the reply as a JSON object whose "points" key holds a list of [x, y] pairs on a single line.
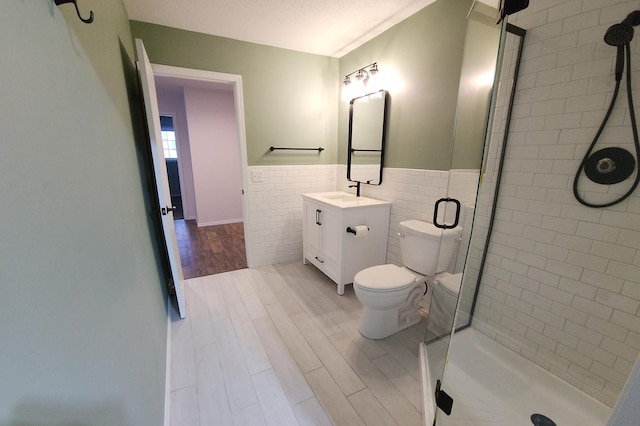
{"points": [[210, 250]]}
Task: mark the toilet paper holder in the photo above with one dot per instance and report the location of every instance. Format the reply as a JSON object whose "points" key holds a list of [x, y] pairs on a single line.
{"points": [[353, 231]]}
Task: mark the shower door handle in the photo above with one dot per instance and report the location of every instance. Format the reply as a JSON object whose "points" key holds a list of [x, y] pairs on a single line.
{"points": [[437, 207]]}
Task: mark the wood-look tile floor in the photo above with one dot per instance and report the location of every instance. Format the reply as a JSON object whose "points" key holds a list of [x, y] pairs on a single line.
{"points": [[276, 345], [209, 250]]}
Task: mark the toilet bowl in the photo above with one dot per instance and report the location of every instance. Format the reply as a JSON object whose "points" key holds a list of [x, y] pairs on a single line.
{"points": [[443, 304], [387, 289], [390, 294]]}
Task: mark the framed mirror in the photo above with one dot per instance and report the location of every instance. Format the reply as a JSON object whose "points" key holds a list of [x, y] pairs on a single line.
{"points": [[367, 130]]}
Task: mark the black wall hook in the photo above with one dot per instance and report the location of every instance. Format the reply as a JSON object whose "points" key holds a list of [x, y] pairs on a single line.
{"points": [[86, 21]]}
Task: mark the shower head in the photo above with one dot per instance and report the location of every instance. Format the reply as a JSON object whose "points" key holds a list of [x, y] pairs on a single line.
{"points": [[619, 34], [622, 33]]}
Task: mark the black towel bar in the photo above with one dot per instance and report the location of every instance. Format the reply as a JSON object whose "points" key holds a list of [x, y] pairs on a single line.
{"points": [[319, 149]]}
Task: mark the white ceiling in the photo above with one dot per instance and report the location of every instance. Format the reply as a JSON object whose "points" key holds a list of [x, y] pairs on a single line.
{"points": [[324, 27]]}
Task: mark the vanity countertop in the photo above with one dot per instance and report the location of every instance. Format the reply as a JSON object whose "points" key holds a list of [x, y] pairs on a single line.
{"points": [[344, 200]]}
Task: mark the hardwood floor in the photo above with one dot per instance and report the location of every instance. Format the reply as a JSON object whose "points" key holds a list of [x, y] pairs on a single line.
{"points": [[277, 346], [210, 250]]}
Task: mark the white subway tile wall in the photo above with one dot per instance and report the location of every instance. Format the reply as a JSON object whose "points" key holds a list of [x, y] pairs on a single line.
{"points": [[275, 209], [275, 204], [413, 194], [562, 281]]}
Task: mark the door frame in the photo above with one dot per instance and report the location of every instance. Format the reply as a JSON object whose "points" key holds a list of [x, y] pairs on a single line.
{"points": [[236, 81]]}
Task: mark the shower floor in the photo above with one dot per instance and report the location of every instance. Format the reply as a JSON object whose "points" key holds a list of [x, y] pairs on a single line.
{"points": [[492, 385]]}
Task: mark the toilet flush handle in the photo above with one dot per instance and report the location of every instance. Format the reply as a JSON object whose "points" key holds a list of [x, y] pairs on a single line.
{"points": [[401, 235]]}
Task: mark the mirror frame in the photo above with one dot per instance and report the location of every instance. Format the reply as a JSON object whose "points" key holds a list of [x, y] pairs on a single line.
{"points": [[385, 98]]}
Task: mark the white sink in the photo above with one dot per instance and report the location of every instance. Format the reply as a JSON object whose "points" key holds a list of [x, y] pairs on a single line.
{"points": [[341, 197], [344, 199]]}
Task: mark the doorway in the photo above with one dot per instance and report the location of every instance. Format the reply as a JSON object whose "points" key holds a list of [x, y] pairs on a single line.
{"points": [[169, 144], [210, 250], [213, 231]]}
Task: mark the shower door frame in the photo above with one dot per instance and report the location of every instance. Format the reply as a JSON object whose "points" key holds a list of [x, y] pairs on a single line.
{"points": [[521, 33]]}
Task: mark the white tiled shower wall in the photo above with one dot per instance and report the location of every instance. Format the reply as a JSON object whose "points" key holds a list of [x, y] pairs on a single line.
{"points": [[275, 203], [562, 281]]}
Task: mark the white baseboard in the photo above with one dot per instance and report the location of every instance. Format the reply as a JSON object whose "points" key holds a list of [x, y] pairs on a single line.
{"points": [[219, 222], [167, 381]]}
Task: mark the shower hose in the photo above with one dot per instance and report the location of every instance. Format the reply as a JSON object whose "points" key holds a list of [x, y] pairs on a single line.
{"points": [[634, 127]]}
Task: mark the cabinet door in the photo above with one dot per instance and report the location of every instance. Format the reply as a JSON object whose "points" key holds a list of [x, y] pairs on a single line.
{"points": [[312, 227], [331, 240]]}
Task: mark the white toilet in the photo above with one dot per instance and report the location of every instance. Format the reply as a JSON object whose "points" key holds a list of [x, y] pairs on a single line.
{"points": [[443, 303], [390, 294]]}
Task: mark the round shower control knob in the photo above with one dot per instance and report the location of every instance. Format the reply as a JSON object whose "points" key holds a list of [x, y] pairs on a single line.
{"points": [[609, 165], [606, 165]]}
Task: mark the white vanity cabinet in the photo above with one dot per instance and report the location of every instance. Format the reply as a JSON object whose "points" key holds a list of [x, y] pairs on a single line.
{"points": [[326, 243]]}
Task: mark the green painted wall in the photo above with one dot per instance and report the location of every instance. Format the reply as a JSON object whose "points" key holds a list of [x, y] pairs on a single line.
{"points": [[83, 316], [289, 97], [476, 83], [425, 53]]}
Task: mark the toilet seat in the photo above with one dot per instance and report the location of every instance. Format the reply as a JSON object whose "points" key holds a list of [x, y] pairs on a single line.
{"points": [[384, 278]]}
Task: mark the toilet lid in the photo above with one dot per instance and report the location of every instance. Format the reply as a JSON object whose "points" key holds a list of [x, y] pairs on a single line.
{"points": [[451, 282], [384, 278]]}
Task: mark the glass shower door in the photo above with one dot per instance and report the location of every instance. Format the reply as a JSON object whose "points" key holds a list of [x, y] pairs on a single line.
{"points": [[455, 211], [489, 178]]}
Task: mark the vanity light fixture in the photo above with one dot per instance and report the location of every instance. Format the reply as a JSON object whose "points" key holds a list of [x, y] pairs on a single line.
{"points": [[362, 84]]}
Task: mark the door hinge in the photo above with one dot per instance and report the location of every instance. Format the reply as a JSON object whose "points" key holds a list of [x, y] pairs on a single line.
{"points": [[443, 400]]}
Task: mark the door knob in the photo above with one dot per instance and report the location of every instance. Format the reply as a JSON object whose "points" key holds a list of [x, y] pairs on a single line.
{"points": [[165, 210]]}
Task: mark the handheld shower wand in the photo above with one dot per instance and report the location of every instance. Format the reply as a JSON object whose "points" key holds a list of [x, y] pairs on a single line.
{"points": [[622, 33], [619, 35], [613, 165]]}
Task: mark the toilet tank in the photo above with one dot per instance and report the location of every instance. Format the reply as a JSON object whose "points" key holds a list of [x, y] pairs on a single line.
{"points": [[425, 248]]}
